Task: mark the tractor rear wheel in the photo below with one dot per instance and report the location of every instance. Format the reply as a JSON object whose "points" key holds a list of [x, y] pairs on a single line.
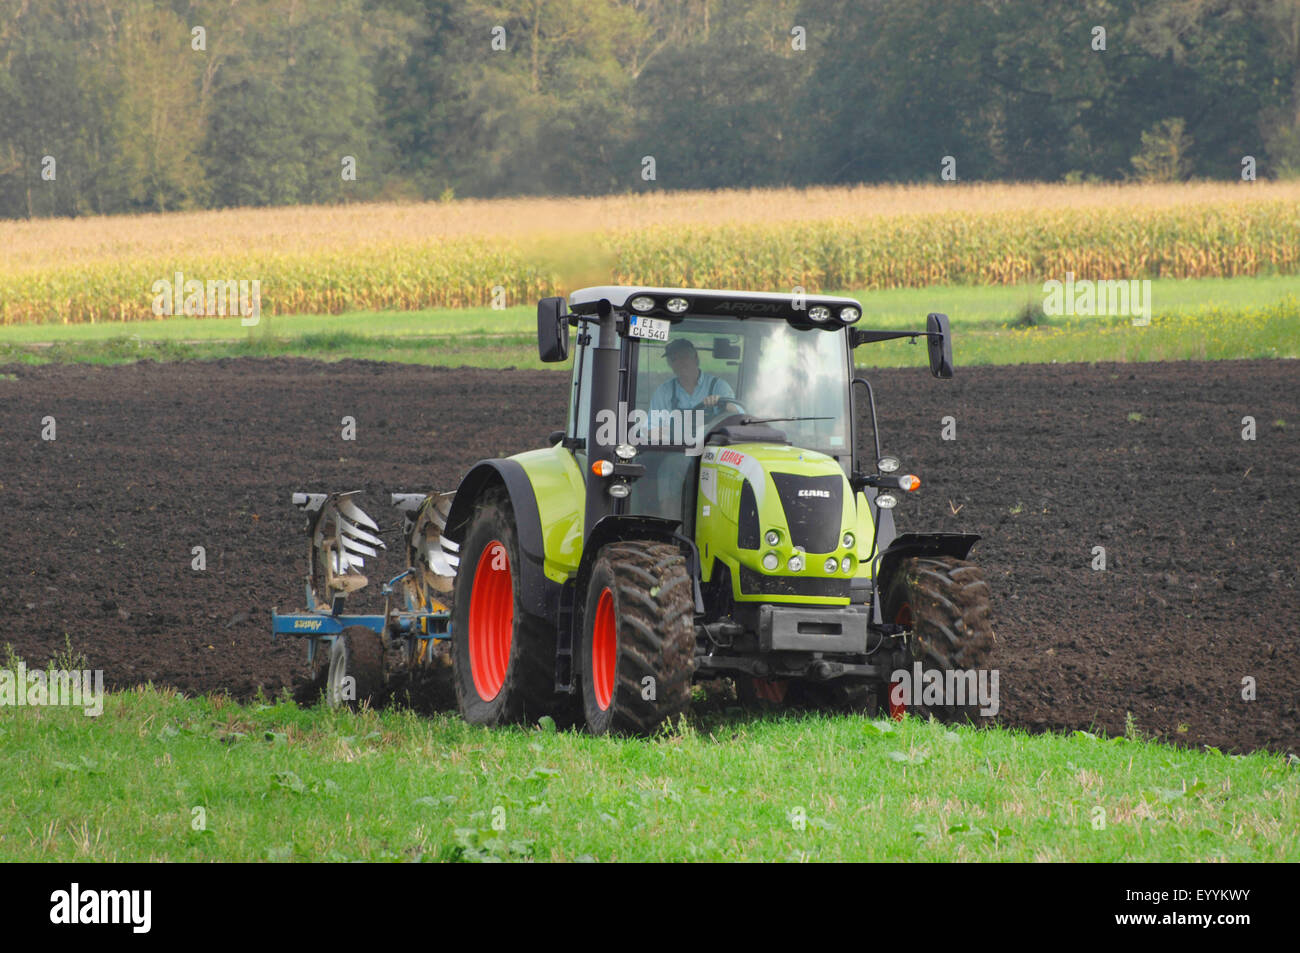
{"points": [[945, 604], [357, 654], [637, 656], [503, 658]]}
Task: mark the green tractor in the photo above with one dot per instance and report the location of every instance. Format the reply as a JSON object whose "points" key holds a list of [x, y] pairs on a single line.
{"points": [[707, 513]]}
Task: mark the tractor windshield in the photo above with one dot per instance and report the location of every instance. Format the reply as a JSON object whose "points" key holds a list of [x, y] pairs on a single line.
{"points": [[761, 367]]}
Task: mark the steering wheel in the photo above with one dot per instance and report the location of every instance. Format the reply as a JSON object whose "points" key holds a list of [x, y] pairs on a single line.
{"points": [[724, 420], [720, 409], [718, 416]]}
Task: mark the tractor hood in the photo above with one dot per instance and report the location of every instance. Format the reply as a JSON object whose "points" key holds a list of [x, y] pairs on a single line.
{"points": [[776, 516]]}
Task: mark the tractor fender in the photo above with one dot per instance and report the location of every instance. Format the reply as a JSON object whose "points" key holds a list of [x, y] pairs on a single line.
{"points": [[539, 595], [609, 529], [957, 545]]}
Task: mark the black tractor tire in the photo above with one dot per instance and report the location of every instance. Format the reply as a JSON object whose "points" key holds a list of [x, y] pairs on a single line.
{"points": [[503, 658], [637, 654], [944, 602], [357, 653]]}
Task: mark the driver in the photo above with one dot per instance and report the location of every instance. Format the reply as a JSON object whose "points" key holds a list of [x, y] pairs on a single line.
{"points": [[690, 387], [689, 390]]}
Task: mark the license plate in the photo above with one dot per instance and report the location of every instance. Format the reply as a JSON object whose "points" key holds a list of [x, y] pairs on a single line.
{"points": [[652, 329]]}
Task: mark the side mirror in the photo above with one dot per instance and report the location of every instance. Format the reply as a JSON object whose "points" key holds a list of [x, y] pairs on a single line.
{"points": [[724, 349], [940, 345], [552, 330]]}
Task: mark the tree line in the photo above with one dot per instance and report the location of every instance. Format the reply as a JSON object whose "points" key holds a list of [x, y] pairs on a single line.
{"points": [[156, 105]]}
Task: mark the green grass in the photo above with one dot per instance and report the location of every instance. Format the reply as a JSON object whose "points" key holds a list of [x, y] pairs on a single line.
{"points": [[278, 782], [1205, 334], [468, 322], [969, 307], [1194, 319], [990, 307]]}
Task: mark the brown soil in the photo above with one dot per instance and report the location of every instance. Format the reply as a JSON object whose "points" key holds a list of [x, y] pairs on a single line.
{"points": [[1199, 526]]}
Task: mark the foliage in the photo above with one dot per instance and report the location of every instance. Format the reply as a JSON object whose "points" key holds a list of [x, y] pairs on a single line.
{"points": [[570, 97], [1163, 157]]}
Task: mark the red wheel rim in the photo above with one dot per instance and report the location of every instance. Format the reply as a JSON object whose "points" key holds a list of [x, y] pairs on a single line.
{"points": [[897, 704], [771, 689], [604, 650], [491, 620]]}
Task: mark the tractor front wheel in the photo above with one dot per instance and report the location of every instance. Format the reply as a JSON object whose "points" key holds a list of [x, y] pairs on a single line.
{"points": [[944, 602], [637, 656]]}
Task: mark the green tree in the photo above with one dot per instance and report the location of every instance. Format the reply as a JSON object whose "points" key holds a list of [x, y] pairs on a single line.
{"points": [[1165, 152], [718, 96], [48, 105], [290, 101], [158, 122]]}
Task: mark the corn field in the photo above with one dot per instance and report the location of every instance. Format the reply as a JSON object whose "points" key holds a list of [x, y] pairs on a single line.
{"points": [[330, 260]]}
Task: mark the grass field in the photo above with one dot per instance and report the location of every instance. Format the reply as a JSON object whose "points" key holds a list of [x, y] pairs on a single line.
{"points": [[1201, 319], [163, 777], [350, 258]]}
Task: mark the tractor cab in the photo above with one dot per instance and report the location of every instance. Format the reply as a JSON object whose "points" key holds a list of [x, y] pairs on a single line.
{"points": [[712, 375]]}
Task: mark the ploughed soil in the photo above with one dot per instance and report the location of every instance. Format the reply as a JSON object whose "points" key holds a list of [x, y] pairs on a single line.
{"points": [[1199, 527]]}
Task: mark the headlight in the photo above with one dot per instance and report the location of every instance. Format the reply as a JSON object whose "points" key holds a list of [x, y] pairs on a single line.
{"points": [[771, 561], [641, 303], [819, 313], [887, 464], [619, 490], [849, 315], [831, 564], [846, 564], [772, 537], [849, 540], [677, 305], [886, 501], [796, 563], [625, 451]]}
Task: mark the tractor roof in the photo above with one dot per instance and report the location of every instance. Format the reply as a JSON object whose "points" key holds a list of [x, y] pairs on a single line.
{"points": [[707, 301]]}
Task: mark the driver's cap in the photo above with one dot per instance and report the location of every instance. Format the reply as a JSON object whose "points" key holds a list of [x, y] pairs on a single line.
{"points": [[678, 347]]}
